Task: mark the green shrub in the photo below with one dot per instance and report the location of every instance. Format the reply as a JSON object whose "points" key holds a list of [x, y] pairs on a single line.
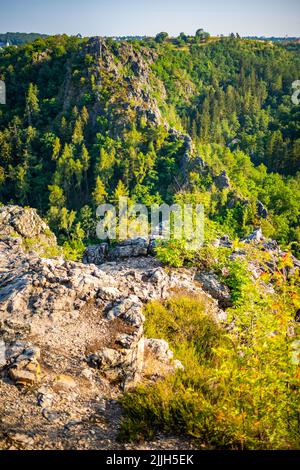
{"points": [[172, 253], [238, 279], [238, 390], [73, 250]]}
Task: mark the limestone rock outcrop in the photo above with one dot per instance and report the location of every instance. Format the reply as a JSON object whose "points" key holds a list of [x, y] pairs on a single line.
{"points": [[219, 291], [25, 224], [132, 248], [93, 312], [73, 335]]}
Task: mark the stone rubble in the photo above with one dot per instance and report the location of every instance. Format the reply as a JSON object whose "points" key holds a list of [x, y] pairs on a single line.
{"points": [[73, 337]]}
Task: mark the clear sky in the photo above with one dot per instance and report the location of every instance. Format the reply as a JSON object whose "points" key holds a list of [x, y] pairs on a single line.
{"points": [[147, 17]]}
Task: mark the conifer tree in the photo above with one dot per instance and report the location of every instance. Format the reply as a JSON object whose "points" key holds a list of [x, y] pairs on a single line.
{"points": [[120, 191], [99, 194], [32, 102]]}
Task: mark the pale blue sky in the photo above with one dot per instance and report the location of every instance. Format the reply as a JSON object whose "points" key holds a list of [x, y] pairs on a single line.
{"points": [[133, 17]]}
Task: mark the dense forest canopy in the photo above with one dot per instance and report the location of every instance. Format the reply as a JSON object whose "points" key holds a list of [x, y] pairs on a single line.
{"points": [[88, 120]]}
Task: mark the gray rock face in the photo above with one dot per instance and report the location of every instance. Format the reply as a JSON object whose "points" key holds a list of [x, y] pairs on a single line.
{"points": [[211, 284], [77, 307], [38, 291], [129, 248], [25, 224], [222, 181], [257, 267], [95, 254], [261, 210]]}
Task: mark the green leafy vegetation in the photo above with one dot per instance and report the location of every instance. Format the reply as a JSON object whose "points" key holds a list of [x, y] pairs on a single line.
{"points": [[239, 389], [237, 93], [87, 122], [232, 95]]}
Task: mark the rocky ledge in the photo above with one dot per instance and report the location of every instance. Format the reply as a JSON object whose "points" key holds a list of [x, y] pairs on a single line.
{"points": [[72, 334], [72, 339]]}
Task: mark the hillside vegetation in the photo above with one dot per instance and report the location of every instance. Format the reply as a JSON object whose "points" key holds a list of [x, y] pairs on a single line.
{"points": [[189, 120], [87, 121]]}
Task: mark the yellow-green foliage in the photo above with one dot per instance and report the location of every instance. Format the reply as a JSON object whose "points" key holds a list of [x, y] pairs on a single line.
{"points": [[239, 389], [73, 250], [42, 248], [171, 253]]}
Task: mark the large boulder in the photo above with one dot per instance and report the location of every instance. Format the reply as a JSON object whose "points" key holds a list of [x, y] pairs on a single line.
{"points": [[131, 248], [211, 284]]}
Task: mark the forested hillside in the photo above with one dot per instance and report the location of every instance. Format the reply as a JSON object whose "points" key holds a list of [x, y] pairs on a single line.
{"points": [[88, 120], [200, 346]]}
